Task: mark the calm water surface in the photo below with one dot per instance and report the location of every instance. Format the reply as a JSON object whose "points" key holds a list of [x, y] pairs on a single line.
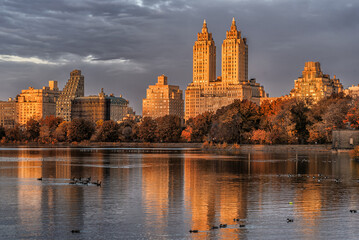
{"points": [[163, 193]]}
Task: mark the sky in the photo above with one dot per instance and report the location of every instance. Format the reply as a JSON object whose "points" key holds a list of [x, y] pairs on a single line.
{"points": [[122, 46]]}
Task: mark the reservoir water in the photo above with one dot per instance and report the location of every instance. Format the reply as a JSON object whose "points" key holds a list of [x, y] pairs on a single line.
{"points": [[165, 193]]}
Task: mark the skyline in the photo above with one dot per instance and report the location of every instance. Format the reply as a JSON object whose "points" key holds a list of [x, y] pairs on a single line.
{"points": [[123, 47]]}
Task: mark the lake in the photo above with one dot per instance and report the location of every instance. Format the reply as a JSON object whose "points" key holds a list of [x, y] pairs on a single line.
{"points": [[165, 193]]}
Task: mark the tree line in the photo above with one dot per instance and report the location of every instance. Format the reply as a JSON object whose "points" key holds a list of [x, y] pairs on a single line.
{"points": [[283, 121]]}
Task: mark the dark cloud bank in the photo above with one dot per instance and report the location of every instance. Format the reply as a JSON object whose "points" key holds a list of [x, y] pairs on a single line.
{"points": [[123, 46]]}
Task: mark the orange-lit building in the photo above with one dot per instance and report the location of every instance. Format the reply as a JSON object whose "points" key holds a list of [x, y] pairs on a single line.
{"points": [[37, 103], [100, 107], [208, 93], [352, 91], [8, 113], [75, 87], [314, 84], [163, 99]]}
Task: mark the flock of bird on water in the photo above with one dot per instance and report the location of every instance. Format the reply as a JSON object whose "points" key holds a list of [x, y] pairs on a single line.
{"points": [[81, 181], [87, 181]]}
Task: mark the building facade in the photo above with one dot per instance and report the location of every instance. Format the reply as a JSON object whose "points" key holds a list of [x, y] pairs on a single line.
{"points": [[163, 99], [314, 84], [352, 91], [207, 93], [37, 103], [101, 107], [75, 87], [8, 113]]}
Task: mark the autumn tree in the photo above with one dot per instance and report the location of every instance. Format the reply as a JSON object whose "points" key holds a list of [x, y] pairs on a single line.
{"points": [[327, 115], [80, 129], [49, 126], [200, 126], [60, 134], [32, 129], [128, 131], [186, 134], [14, 134], [352, 116], [108, 132], [234, 122], [2, 132], [147, 130], [169, 128], [276, 121], [299, 115]]}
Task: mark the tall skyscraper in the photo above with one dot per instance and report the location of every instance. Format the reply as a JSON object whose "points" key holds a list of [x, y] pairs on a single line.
{"points": [[204, 58], [234, 57], [75, 87], [208, 93]]}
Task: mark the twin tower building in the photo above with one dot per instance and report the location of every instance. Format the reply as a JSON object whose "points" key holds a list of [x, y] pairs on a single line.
{"points": [[207, 92]]}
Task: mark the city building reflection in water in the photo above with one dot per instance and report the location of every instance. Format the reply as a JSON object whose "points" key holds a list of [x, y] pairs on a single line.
{"points": [[165, 193]]}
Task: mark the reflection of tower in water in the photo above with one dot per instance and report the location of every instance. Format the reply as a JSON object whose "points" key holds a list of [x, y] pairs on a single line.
{"points": [[161, 189], [213, 190]]}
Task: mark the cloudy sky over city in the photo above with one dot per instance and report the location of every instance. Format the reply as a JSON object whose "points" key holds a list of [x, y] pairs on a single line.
{"points": [[122, 46]]}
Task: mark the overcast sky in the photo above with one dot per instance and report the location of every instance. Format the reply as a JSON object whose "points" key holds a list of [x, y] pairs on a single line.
{"points": [[123, 46]]}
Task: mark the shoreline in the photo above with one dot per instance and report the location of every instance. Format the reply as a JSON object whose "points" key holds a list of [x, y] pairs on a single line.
{"points": [[242, 148]]}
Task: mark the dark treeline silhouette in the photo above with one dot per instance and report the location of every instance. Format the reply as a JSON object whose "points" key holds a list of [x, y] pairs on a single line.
{"points": [[283, 121]]}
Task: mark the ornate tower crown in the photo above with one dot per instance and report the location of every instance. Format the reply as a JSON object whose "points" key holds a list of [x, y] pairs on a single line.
{"points": [[204, 27], [233, 33], [233, 26]]}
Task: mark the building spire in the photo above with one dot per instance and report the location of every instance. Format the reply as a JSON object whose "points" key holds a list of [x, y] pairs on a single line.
{"points": [[204, 27], [233, 27]]}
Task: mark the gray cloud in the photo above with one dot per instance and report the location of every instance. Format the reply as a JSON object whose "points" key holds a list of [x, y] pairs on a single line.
{"points": [[124, 45]]}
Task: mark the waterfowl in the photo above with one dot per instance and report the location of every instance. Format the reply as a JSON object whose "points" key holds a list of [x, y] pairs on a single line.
{"points": [[289, 220], [193, 231], [40, 179], [222, 225], [75, 231], [235, 220], [353, 211], [242, 225], [214, 227], [98, 183]]}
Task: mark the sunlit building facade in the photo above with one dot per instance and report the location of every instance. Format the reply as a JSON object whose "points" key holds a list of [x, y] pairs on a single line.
{"points": [[314, 84], [100, 107], [208, 93], [163, 99], [37, 103], [352, 91], [75, 87], [8, 113]]}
